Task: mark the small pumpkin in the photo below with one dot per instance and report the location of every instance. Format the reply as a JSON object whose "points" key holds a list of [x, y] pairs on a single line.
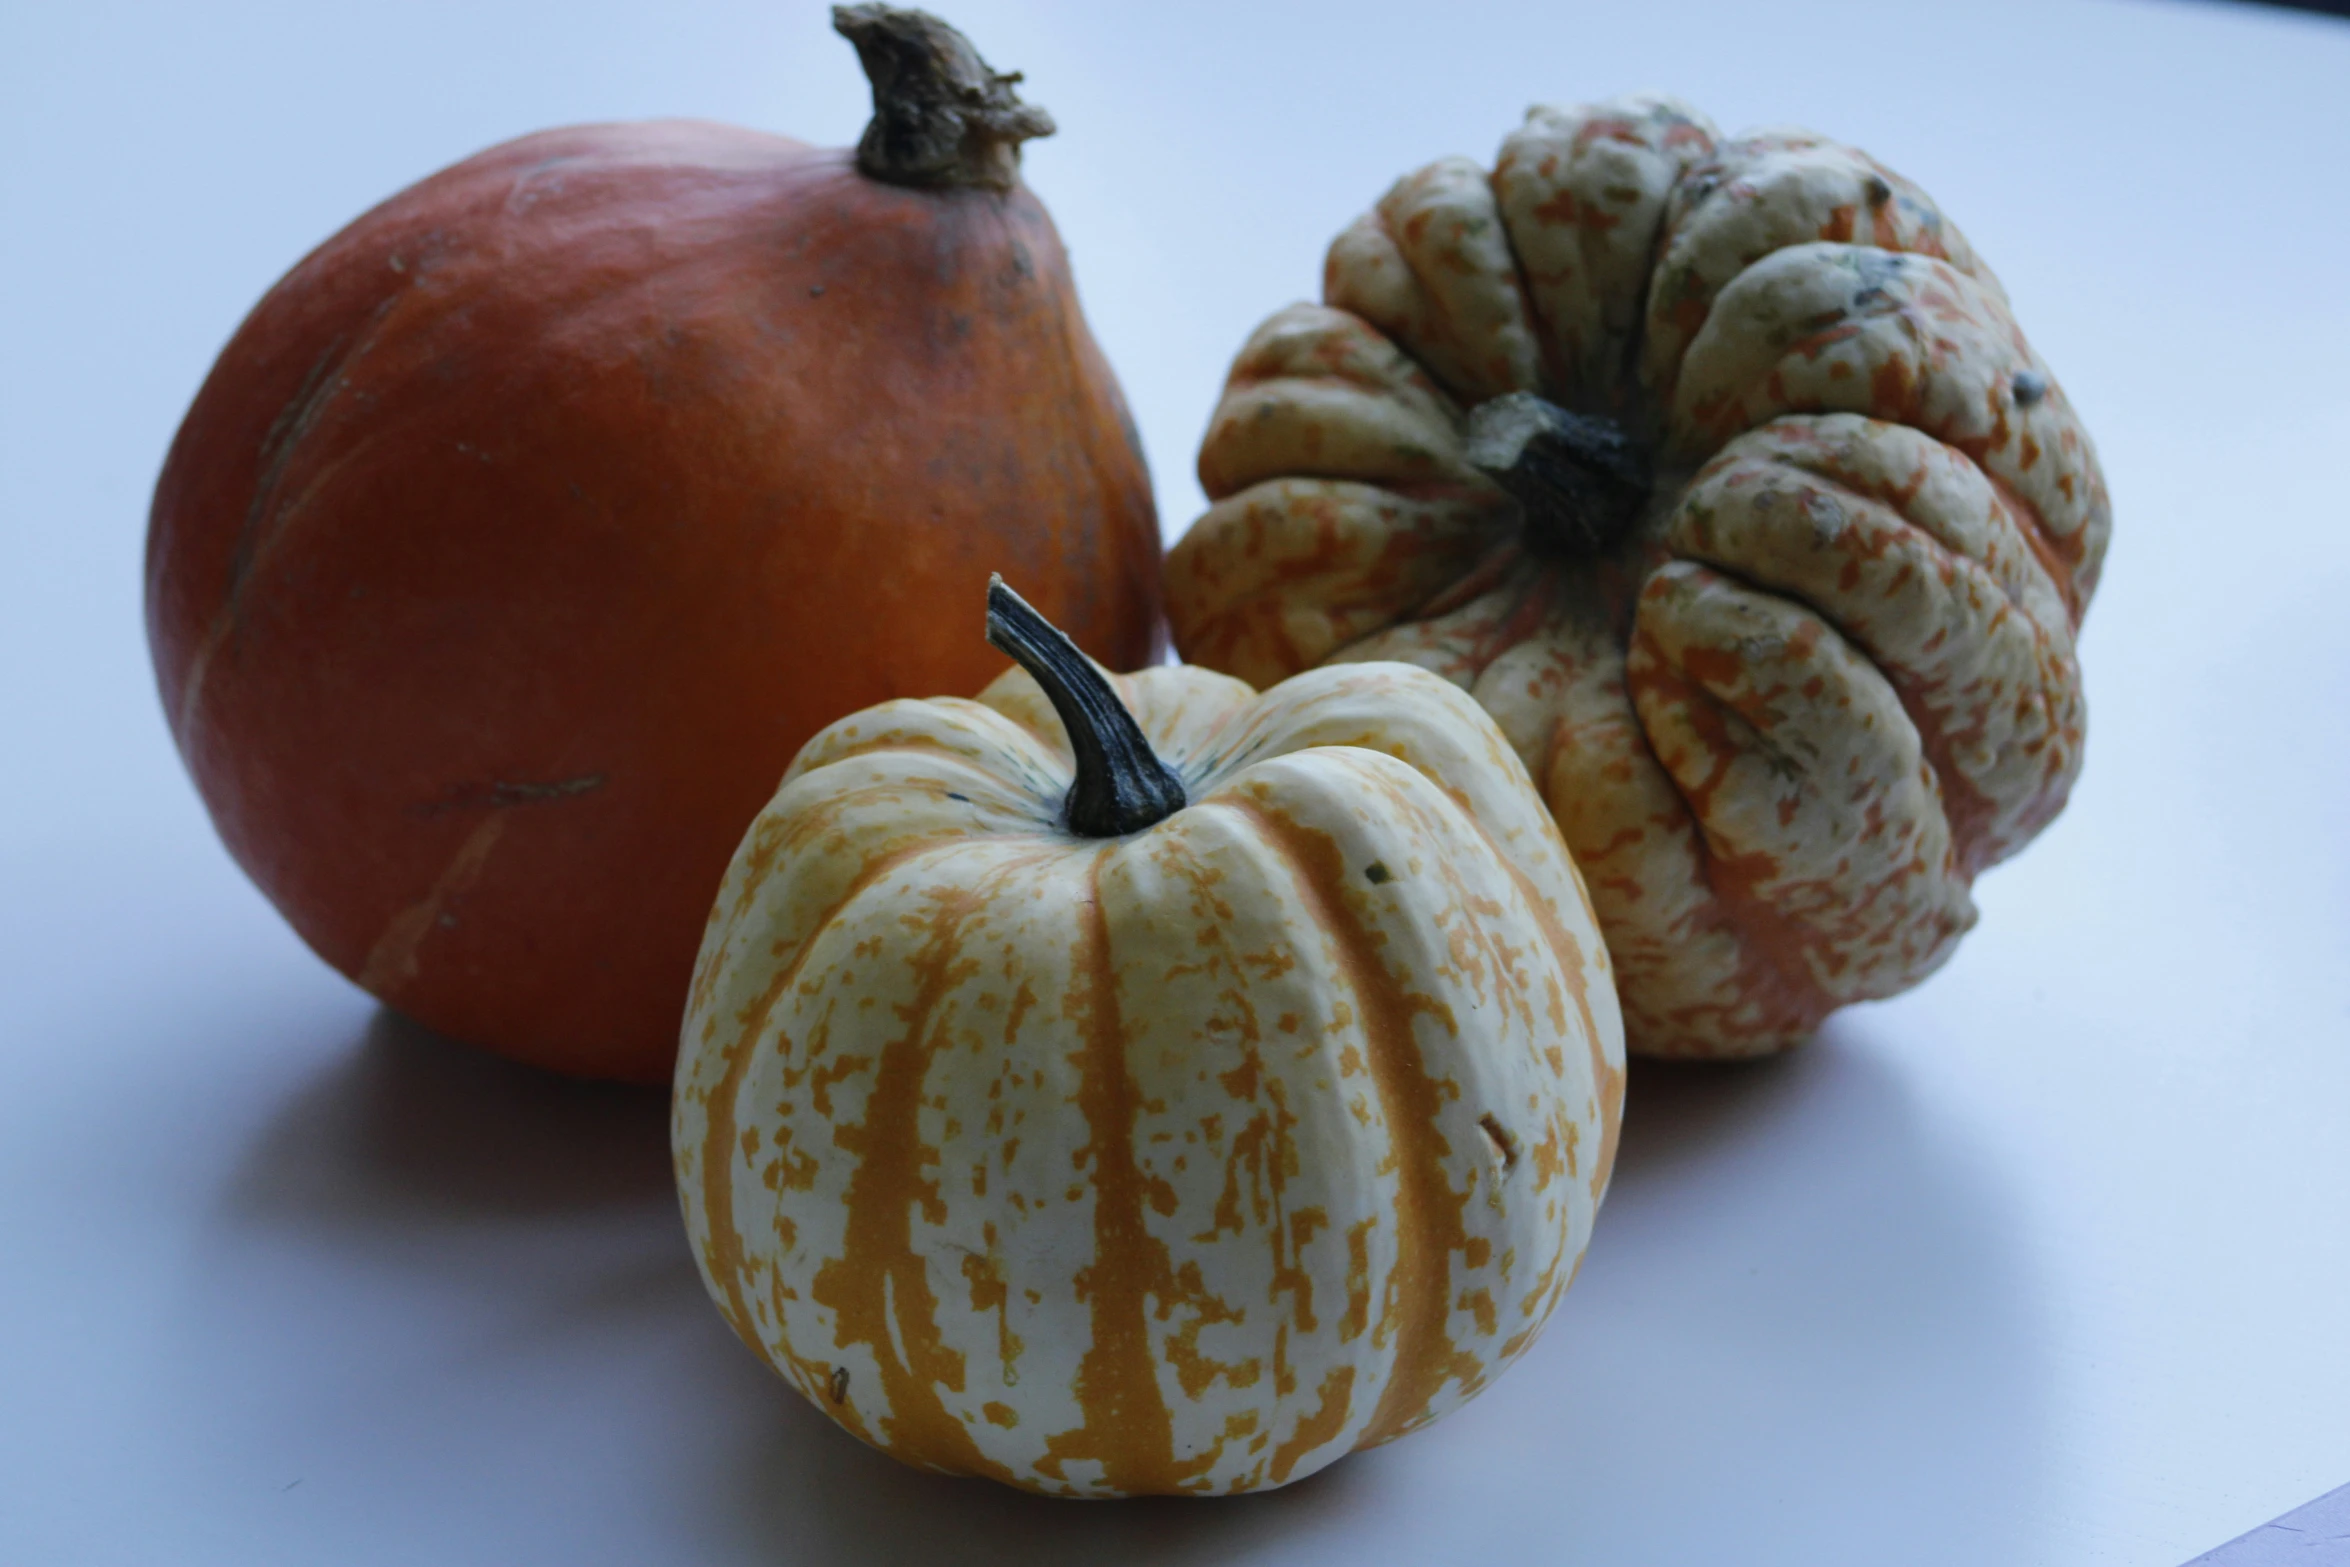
{"points": [[505, 507], [1720, 472], [1140, 1085]]}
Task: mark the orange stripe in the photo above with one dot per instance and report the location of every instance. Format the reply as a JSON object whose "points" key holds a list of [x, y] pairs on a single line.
{"points": [[1774, 988], [1127, 1427], [879, 1285], [1428, 1212], [1607, 1080], [723, 1251], [1324, 1424]]}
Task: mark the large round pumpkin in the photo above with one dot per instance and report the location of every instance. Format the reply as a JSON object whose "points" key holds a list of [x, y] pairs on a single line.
{"points": [[1720, 473], [1156, 1103], [527, 528]]}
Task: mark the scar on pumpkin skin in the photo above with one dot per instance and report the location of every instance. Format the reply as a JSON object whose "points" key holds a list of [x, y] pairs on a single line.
{"points": [[264, 523], [391, 963], [1505, 1146], [499, 795]]}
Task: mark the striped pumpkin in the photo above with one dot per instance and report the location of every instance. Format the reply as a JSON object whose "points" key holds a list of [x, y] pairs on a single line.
{"points": [[1718, 470], [1107, 1131]]}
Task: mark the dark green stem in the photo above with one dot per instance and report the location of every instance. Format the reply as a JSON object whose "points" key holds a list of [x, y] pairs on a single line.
{"points": [[1580, 480], [1122, 786], [941, 118]]}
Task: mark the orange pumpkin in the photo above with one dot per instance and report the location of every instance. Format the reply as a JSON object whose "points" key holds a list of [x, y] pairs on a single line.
{"points": [[527, 528]]}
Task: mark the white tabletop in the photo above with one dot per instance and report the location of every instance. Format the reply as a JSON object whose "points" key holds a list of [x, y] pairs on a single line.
{"points": [[2045, 1263]]}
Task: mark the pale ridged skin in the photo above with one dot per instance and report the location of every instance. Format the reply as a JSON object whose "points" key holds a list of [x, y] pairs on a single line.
{"points": [[1830, 675], [1184, 1161]]}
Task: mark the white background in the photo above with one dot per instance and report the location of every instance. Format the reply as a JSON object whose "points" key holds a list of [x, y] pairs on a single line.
{"points": [[2046, 1263]]}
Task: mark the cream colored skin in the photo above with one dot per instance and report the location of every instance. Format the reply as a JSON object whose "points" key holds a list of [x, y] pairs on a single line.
{"points": [[1832, 675], [1185, 1161]]}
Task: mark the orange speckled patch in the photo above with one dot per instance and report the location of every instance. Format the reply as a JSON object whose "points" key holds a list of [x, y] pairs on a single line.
{"points": [[1151, 1164], [1844, 421]]}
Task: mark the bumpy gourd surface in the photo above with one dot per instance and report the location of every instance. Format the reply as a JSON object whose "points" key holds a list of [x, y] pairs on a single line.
{"points": [[1828, 678], [1188, 1160]]}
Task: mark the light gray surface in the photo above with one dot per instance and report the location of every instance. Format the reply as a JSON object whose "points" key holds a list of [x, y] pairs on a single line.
{"points": [[2043, 1264], [2317, 1535]]}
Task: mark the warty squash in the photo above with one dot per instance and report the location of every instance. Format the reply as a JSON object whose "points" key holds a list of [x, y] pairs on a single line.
{"points": [[1143, 1085], [1719, 471]]}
